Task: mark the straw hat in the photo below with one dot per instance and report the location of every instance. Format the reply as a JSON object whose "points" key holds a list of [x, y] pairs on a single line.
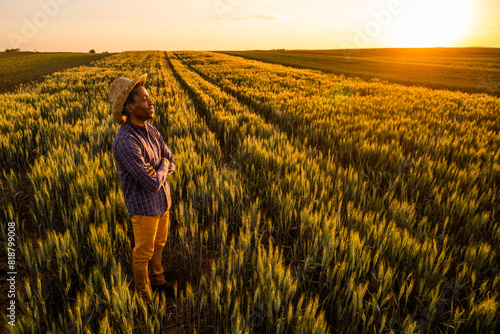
{"points": [[118, 93]]}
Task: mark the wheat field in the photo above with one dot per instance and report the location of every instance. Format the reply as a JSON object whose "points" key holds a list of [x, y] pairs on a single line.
{"points": [[303, 202]]}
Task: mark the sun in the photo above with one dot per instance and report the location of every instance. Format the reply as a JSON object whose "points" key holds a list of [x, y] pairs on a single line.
{"points": [[433, 23]]}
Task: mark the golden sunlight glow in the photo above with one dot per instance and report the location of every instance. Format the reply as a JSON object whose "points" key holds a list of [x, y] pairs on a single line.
{"points": [[432, 23]]}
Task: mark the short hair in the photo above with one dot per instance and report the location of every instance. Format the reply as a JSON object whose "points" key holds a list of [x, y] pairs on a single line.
{"points": [[129, 100]]}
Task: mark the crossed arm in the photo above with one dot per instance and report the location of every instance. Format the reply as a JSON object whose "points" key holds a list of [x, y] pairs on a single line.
{"points": [[164, 161], [130, 158]]}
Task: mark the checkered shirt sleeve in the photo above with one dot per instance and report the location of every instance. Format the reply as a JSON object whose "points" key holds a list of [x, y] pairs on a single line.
{"points": [[133, 147]]}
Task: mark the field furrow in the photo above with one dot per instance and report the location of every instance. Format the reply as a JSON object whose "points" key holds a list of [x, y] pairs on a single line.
{"points": [[356, 217], [302, 202], [379, 149]]}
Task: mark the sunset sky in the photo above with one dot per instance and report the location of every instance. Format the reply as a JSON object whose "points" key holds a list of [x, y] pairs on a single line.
{"points": [[118, 25]]}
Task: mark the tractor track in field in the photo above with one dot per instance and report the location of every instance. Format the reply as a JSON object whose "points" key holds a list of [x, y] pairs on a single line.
{"points": [[201, 109], [277, 127], [265, 112]]}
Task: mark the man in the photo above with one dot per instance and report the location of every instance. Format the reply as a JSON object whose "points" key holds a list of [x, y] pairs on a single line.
{"points": [[144, 162]]}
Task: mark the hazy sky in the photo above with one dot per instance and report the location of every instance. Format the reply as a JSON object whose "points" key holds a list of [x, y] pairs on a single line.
{"points": [[118, 25]]}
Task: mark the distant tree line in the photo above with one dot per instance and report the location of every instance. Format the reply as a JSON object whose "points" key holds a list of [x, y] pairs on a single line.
{"points": [[19, 50]]}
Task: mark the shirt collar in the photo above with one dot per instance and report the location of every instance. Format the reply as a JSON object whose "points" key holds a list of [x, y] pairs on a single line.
{"points": [[137, 127]]}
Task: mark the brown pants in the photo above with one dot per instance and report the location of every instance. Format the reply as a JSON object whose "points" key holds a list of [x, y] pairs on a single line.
{"points": [[150, 235]]}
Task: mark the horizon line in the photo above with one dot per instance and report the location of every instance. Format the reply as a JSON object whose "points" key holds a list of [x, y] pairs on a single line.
{"points": [[273, 49]]}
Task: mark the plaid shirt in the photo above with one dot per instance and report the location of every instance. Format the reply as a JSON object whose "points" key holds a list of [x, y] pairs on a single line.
{"points": [[133, 147]]}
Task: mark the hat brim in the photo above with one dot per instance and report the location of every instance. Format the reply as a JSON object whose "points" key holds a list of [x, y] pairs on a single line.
{"points": [[120, 99]]}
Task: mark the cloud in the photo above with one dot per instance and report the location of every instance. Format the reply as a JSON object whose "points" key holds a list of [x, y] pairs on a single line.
{"points": [[199, 2], [255, 17], [103, 12]]}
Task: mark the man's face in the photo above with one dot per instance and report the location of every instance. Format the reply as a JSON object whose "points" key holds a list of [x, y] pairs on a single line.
{"points": [[142, 108]]}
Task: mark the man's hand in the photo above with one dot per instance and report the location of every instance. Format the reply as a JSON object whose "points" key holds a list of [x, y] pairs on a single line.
{"points": [[165, 161], [150, 170]]}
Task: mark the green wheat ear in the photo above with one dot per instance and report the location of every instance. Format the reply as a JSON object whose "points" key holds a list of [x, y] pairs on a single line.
{"points": [[304, 202]]}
